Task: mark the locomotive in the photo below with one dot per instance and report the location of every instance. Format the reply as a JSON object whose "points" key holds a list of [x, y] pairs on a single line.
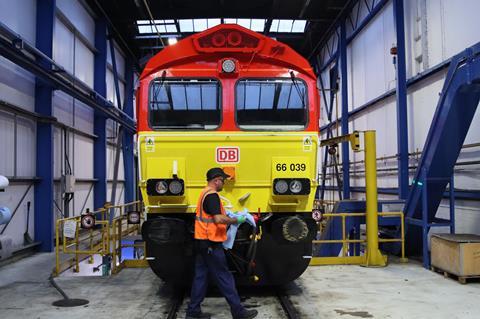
{"points": [[232, 98]]}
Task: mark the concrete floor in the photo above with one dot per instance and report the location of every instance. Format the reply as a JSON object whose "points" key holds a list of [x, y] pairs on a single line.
{"points": [[397, 291]]}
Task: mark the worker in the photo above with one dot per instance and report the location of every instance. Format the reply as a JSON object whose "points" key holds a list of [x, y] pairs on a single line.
{"points": [[210, 232]]}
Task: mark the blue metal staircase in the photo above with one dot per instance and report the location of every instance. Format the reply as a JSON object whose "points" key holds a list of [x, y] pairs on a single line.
{"points": [[454, 114]]}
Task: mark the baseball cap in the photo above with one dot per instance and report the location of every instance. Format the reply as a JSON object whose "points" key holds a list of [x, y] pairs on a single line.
{"points": [[216, 172]]}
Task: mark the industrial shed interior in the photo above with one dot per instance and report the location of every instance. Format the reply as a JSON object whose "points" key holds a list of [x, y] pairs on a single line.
{"points": [[348, 129]]}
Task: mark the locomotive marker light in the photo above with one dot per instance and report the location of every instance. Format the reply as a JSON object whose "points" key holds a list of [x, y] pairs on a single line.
{"points": [[161, 187], [234, 38], [175, 187], [281, 186], [228, 66], [295, 186]]}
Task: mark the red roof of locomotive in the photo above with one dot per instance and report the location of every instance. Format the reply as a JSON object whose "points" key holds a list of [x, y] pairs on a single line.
{"points": [[190, 49]]}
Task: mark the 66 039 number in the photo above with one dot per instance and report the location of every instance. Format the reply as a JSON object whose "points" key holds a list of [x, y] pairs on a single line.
{"points": [[293, 167]]}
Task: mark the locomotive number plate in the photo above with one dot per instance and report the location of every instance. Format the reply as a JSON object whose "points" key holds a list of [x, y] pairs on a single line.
{"points": [[290, 167]]}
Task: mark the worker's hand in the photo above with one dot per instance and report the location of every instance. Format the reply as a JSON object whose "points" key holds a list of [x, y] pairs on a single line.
{"points": [[241, 219]]}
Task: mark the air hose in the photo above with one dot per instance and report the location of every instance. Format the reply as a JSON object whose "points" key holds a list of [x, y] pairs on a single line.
{"points": [[66, 301]]}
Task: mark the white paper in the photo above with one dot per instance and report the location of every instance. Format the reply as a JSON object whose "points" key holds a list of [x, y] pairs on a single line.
{"points": [[69, 228]]}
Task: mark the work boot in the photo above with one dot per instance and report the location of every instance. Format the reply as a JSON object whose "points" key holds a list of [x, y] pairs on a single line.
{"points": [[200, 315], [247, 314]]}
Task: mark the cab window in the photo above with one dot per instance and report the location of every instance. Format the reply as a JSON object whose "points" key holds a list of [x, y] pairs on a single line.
{"points": [[271, 104], [184, 104]]}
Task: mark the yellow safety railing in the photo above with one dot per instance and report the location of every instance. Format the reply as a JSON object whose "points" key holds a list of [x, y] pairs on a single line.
{"points": [[345, 258], [105, 240], [121, 229], [372, 257]]}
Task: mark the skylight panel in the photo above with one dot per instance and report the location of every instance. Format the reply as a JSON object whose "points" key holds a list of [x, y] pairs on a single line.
{"points": [[299, 25], [160, 28], [143, 22], [145, 29], [285, 26], [199, 25], [213, 22], [274, 26], [172, 28], [186, 25], [258, 25], [244, 23]]}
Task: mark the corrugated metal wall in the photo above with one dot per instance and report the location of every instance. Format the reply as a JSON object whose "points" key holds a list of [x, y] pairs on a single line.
{"points": [[435, 31], [73, 48]]}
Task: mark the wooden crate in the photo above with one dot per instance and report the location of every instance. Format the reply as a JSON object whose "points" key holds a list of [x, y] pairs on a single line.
{"points": [[457, 254]]}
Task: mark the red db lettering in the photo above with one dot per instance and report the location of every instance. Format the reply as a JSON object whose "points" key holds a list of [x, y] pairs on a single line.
{"points": [[228, 155]]}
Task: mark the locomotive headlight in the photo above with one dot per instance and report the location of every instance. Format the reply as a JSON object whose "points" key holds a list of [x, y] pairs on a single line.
{"points": [[175, 187], [228, 66], [161, 187], [281, 186], [295, 186]]}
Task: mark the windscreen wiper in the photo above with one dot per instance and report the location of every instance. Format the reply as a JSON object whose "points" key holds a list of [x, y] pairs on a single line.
{"points": [[295, 83]]}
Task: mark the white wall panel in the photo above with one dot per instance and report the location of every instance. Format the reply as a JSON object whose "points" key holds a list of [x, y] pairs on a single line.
{"points": [[111, 163], [26, 147], [119, 195], [84, 62], [370, 63], [421, 102], [83, 157], [63, 107], [7, 142], [17, 86], [79, 17], [63, 46], [57, 153], [110, 87], [84, 117], [83, 196], [461, 24], [10, 198], [20, 16]]}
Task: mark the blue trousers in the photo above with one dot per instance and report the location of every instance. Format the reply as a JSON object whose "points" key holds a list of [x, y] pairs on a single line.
{"points": [[212, 261]]}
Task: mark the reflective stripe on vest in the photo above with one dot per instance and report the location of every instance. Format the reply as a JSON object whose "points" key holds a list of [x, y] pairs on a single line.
{"points": [[205, 227]]}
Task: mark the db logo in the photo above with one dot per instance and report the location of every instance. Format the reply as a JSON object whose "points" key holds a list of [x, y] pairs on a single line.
{"points": [[228, 155]]}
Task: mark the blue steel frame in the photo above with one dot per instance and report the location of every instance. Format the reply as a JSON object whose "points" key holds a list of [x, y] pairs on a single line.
{"points": [[127, 143], [402, 125], [99, 125], [344, 90], [43, 214], [126, 136]]}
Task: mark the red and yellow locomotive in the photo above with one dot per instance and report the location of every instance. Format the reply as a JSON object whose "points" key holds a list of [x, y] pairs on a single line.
{"points": [[232, 98]]}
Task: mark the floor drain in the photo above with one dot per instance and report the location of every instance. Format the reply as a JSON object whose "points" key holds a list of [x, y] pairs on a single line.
{"points": [[70, 302]]}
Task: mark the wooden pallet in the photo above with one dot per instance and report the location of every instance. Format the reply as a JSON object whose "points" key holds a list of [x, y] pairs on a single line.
{"points": [[461, 279]]}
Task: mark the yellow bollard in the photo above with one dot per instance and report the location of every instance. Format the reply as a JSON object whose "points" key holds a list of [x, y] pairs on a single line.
{"points": [[374, 257]]}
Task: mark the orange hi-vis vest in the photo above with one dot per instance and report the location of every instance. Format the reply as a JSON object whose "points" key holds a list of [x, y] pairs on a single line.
{"points": [[205, 227]]}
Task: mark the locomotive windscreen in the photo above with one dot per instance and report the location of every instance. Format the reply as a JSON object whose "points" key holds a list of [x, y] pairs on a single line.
{"points": [[184, 103], [271, 104]]}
